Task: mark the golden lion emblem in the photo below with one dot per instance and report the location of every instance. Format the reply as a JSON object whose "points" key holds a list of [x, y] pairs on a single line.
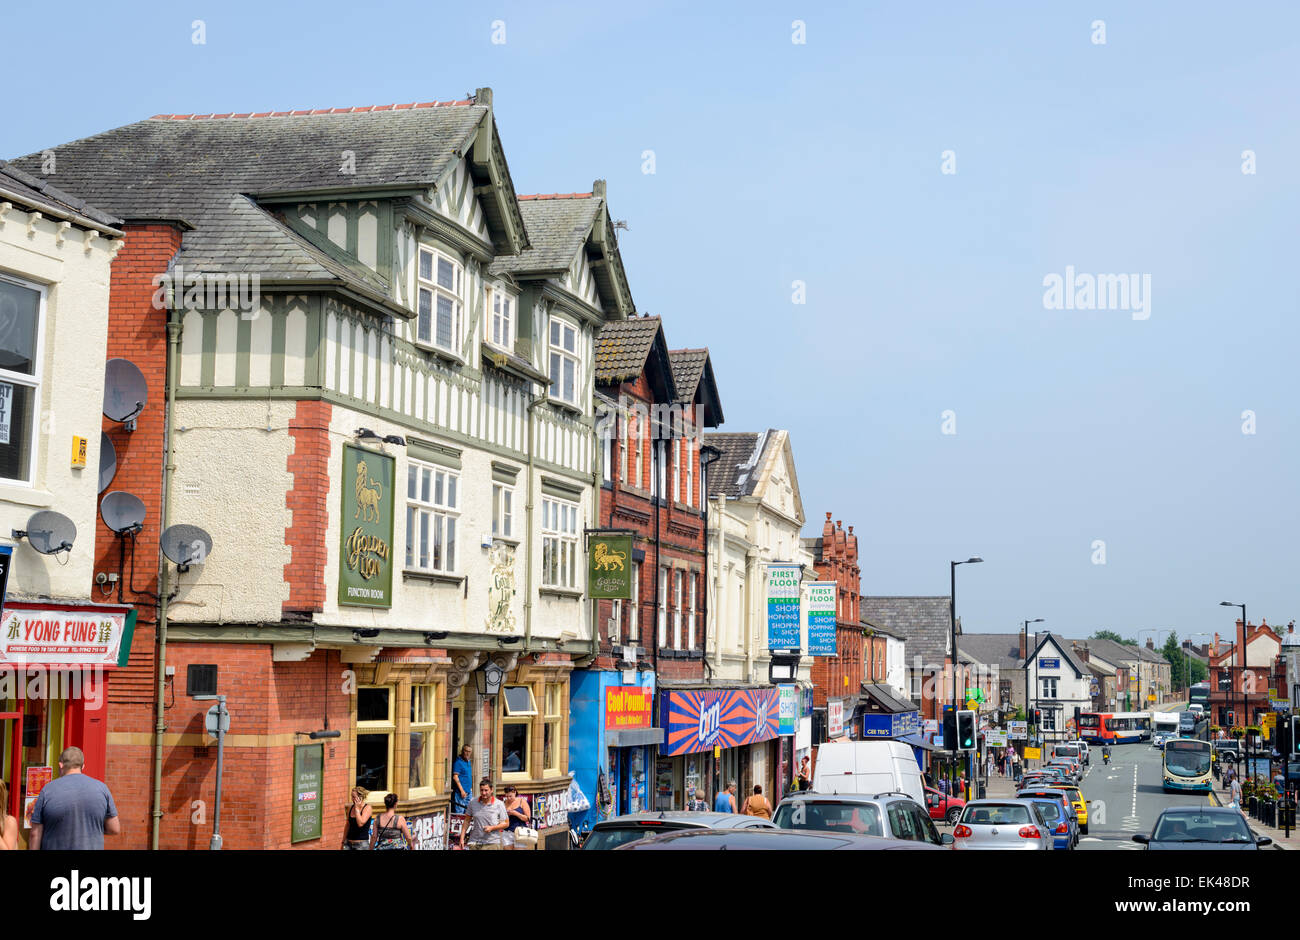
{"points": [[368, 493], [607, 560]]}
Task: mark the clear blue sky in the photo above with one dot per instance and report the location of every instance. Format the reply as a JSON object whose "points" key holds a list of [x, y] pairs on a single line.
{"points": [[821, 162]]}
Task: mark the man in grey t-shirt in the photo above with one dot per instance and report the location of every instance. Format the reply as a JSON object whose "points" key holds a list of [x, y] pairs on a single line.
{"points": [[488, 819], [74, 811]]}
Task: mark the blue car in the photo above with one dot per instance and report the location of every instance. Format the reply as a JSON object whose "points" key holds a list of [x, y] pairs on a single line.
{"points": [[1059, 815]]}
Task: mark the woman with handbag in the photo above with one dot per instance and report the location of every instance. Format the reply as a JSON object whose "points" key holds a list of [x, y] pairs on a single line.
{"points": [[391, 831], [519, 813], [357, 835], [757, 805]]}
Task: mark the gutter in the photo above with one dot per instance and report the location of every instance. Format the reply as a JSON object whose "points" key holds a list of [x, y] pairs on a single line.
{"points": [[63, 215], [528, 525]]}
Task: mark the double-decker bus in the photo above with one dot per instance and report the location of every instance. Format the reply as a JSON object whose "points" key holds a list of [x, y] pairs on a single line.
{"points": [[1114, 727], [1199, 694], [1187, 765]]}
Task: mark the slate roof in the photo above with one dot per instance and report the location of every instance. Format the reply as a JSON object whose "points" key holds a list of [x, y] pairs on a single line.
{"points": [[886, 697], [692, 369], [874, 627], [1067, 650], [734, 474], [922, 621], [36, 193], [557, 226], [622, 347], [992, 649], [1151, 656], [203, 169], [1117, 654]]}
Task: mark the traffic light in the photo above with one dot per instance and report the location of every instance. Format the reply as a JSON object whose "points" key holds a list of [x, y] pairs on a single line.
{"points": [[1036, 718], [1294, 724], [966, 730], [949, 730], [1282, 736]]}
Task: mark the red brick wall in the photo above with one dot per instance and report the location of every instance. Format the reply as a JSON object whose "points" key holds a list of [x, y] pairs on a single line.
{"points": [[839, 563], [309, 466]]}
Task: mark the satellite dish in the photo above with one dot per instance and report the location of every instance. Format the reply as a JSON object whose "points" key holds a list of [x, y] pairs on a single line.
{"points": [[125, 392], [186, 545], [107, 461], [49, 532], [122, 512]]}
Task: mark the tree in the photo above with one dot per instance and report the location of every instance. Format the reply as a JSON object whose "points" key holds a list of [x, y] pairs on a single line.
{"points": [[1113, 636], [1177, 661]]}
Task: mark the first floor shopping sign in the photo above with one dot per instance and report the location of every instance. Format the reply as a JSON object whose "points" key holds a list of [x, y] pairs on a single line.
{"points": [[783, 607], [821, 618]]}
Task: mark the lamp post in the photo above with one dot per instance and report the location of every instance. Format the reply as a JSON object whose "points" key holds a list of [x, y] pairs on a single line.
{"points": [[1027, 709], [952, 616], [1245, 722]]}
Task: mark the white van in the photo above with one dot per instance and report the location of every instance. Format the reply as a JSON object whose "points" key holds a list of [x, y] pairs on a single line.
{"points": [[868, 767]]}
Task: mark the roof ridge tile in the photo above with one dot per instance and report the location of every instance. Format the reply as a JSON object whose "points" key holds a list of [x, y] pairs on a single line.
{"points": [[362, 109]]}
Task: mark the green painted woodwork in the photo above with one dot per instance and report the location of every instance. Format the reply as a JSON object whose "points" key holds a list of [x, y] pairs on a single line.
{"points": [[432, 452]]}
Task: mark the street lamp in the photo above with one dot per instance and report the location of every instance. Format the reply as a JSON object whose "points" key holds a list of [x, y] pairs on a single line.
{"points": [[1245, 718], [952, 615], [1027, 709]]}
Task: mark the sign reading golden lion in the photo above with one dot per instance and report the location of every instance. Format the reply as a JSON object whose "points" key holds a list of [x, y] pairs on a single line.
{"points": [[365, 559], [609, 567]]}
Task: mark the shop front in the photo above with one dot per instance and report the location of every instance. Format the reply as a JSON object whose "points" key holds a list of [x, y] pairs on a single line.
{"points": [[714, 736], [612, 739], [55, 662]]}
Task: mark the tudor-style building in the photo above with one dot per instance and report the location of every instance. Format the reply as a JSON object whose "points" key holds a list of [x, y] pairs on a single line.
{"points": [[384, 419]]}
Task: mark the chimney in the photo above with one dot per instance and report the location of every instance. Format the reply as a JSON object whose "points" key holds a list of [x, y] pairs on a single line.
{"points": [[598, 189], [483, 96], [1021, 638], [1151, 643]]}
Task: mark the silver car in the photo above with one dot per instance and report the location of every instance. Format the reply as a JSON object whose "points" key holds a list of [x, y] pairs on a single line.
{"points": [[1015, 825], [885, 815]]}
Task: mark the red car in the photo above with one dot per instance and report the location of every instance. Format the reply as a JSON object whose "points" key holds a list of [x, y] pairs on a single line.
{"points": [[947, 808]]}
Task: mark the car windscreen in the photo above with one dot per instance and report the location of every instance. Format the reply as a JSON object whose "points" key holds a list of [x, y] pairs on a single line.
{"points": [[1052, 812], [828, 816], [1202, 827], [613, 837], [997, 814]]}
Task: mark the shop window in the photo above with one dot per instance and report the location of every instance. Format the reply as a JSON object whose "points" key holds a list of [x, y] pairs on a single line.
{"points": [[375, 730], [551, 728], [518, 711], [420, 734]]}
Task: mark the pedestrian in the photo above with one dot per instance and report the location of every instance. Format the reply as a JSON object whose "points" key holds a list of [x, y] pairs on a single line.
{"points": [[805, 774], [8, 824], [487, 819], [392, 832], [1236, 793], [518, 813], [75, 811], [462, 777], [725, 802], [757, 804], [357, 836], [697, 803]]}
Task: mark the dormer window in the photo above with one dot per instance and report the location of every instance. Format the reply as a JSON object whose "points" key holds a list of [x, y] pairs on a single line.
{"points": [[440, 288], [564, 361], [501, 318]]}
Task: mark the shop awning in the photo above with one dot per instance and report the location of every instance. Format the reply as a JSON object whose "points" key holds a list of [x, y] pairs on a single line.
{"points": [[634, 737], [915, 740], [887, 698]]}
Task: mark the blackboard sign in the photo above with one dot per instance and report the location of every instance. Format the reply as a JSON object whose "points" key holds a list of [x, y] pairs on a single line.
{"points": [[308, 781]]}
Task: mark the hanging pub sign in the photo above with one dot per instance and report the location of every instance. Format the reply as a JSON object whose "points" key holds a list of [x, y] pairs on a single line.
{"points": [[821, 618], [366, 555], [609, 567], [783, 607]]}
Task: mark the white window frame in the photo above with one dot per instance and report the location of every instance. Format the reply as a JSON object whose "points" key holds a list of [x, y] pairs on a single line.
{"points": [[502, 309], [690, 471], [662, 449], [503, 518], [677, 608], [607, 459], [634, 611], [424, 709], [1049, 719], [624, 440], [662, 613], [34, 381], [561, 526], [616, 616], [677, 470], [1050, 687], [454, 294], [691, 620], [443, 515], [640, 450], [554, 350]]}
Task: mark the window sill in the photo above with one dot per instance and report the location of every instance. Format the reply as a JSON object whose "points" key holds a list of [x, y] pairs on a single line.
{"points": [[24, 495], [409, 574], [513, 543], [563, 405], [566, 593], [440, 353]]}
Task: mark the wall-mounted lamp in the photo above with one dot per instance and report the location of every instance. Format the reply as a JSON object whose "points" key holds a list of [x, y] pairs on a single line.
{"points": [[317, 735], [366, 434], [365, 634], [395, 439], [507, 640], [488, 679], [431, 635]]}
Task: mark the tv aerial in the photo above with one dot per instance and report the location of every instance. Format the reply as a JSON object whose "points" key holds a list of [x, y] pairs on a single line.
{"points": [[48, 532], [125, 392], [107, 461], [186, 545], [123, 512]]}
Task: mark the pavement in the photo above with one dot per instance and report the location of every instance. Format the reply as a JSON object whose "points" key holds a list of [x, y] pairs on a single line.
{"points": [[1280, 839]]}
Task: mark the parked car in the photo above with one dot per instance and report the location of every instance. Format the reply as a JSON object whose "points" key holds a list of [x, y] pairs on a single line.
{"points": [[611, 833], [1071, 750], [779, 840], [1064, 820], [885, 815], [1082, 745], [1002, 824], [868, 767], [1159, 738], [1228, 752], [1184, 828], [1079, 803], [942, 806]]}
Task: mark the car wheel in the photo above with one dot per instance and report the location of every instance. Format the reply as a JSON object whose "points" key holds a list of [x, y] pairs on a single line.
{"points": [[1083, 827], [954, 814]]}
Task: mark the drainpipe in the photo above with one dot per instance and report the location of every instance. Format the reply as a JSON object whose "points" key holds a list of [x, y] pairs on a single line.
{"points": [[528, 524], [597, 478], [169, 468]]}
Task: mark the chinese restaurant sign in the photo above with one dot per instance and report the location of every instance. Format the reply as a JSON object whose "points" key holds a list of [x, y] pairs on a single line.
{"points": [[627, 706], [68, 637], [366, 556], [698, 720], [609, 567], [783, 607], [821, 618]]}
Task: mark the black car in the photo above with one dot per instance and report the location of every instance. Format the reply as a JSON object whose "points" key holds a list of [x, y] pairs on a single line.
{"points": [[612, 833], [775, 840], [1198, 828]]}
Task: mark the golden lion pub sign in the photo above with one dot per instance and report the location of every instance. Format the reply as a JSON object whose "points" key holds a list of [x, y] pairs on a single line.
{"points": [[366, 555], [609, 567]]}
